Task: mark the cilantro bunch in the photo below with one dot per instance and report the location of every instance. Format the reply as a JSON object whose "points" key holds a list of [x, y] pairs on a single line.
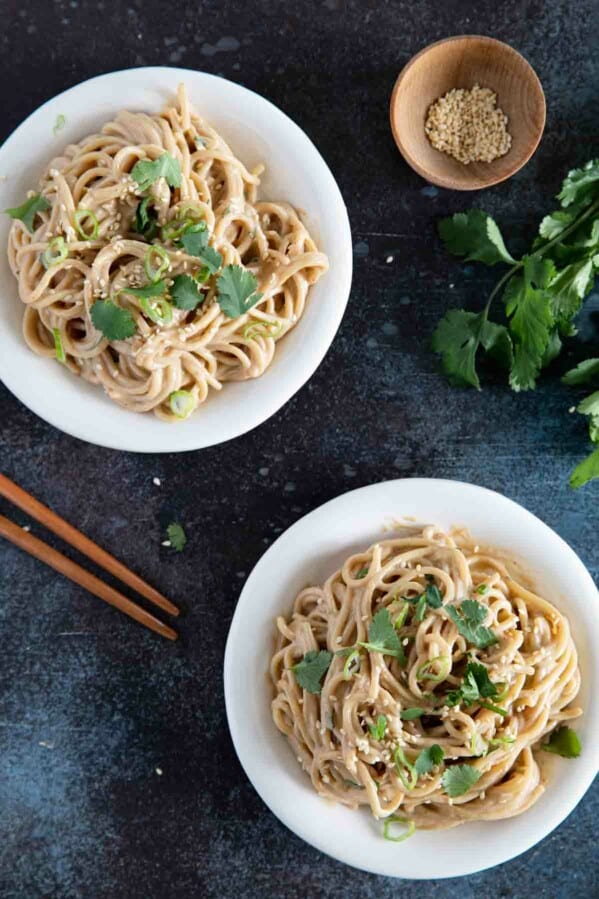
{"points": [[542, 292]]}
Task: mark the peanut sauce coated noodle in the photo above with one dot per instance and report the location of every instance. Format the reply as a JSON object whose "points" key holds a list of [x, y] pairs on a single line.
{"points": [[194, 351], [533, 663]]}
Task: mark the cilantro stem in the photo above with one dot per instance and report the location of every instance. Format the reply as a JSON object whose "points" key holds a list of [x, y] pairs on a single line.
{"points": [[594, 207]]}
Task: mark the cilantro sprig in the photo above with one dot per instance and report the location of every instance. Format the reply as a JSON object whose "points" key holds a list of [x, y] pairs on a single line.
{"points": [[146, 171], [565, 742], [382, 637], [458, 779], [237, 290], [176, 536], [195, 242], [431, 596], [114, 322], [542, 292], [476, 686], [28, 210], [469, 621], [310, 671]]}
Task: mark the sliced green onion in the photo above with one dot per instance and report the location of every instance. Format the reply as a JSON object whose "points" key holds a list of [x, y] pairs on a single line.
{"points": [[482, 589], [410, 780], [60, 354], [61, 121], [57, 251], [262, 329], [397, 819], [476, 748], [182, 403], [350, 668], [362, 572], [399, 621], [158, 309], [81, 215], [202, 275], [155, 274], [496, 742], [503, 692], [423, 673], [176, 228], [190, 211], [493, 708]]}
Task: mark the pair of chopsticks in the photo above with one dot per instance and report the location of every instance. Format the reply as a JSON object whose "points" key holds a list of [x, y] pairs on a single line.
{"points": [[24, 540]]}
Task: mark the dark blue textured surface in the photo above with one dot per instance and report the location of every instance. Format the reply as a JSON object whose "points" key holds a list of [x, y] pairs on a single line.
{"points": [[90, 704]]}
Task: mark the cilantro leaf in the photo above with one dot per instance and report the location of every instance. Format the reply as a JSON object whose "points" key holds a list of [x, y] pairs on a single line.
{"points": [[378, 730], [28, 210], [237, 291], [469, 622], [590, 405], [311, 670], [382, 636], [411, 714], [212, 259], [145, 172], [428, 759], [114, 322], [146, 219], [569, 288], [457, 339], [565, 742], [458, 779], [476, 685], [430, 596], [585, 471], [184, 292], [580, 185], [585, 371], [530, 322], [176, 535], [475, 236], [195, 242], [553, 225]]}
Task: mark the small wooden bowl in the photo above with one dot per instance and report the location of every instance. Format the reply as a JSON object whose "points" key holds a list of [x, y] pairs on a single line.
{"points": [[463, 62]]}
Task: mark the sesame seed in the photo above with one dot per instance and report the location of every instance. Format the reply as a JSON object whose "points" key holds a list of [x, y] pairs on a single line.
{"points": [[159, 772], [156, 481], [389, 259]]}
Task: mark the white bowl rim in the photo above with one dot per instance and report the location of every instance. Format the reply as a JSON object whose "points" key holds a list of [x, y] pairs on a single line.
{"points": [[282, 386], [280, 793]]}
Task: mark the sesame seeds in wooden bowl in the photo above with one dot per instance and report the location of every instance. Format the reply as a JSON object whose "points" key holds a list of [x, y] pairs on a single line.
{"points": [[479, 100]]}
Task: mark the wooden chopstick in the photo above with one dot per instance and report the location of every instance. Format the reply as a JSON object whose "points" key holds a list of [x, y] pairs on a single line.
{"points": [[62, 528], [43, 552]]}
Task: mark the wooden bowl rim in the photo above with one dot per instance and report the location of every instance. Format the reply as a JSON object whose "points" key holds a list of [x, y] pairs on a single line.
{"points": [[479, 182]]}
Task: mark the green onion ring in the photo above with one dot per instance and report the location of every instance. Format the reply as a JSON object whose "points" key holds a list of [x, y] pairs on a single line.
{"points": [[158, 309], [397, 819], [80, 216], [262, 329], [399, 759], [348, 671], [56, 251], [182, 403], [445, 666], [60, 353], [155, 274]]}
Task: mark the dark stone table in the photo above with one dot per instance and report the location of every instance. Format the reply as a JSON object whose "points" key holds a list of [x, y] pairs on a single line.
{"points": [[92, 707]]}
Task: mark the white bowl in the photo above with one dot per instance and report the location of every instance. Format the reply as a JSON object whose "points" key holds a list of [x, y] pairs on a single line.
{"points": [[295, 171], [314, 548]]}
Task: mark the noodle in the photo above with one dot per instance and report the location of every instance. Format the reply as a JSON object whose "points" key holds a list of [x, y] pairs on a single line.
{"points": [[533, 662], [194, 351]]}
